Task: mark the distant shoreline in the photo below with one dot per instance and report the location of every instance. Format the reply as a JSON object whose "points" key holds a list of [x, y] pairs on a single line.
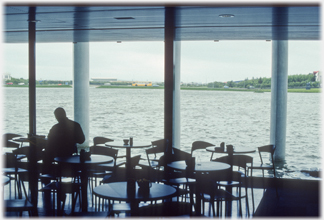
{"points": [[313, 90]]}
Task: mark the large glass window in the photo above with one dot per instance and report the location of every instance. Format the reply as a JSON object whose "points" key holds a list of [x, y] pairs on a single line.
{"points": [[226, 97]]}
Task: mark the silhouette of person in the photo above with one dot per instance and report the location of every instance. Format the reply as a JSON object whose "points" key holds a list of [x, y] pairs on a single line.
{"points": [[62, 138]]}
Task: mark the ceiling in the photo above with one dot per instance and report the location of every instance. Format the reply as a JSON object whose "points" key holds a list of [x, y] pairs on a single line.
{"points": [[77, 23]]}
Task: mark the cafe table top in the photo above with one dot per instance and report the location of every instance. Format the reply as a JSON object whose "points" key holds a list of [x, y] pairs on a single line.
{"points": [[205, 166], [118, 191], [237, 150], [27, 139], [136, 144], [94, 159], [21, 139]]}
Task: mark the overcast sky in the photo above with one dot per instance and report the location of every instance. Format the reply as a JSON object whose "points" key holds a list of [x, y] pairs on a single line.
{"points": [[201, 61]]}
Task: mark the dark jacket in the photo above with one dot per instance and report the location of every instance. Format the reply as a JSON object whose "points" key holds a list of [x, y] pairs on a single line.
{"points": [[62, 139]]}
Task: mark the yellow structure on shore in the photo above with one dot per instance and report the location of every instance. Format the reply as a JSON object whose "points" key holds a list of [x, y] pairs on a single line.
{"points": [[141, 83]]}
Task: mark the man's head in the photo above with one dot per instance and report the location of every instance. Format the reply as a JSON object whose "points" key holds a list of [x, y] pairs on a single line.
{"points": [[60, 114]]}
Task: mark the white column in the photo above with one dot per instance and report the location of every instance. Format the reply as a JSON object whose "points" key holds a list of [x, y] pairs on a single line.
{"points": [[176, 95], [279, 88], [81, 87]]}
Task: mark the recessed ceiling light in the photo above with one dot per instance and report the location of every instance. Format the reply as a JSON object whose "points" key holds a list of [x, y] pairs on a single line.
{"points": [[226, 16], [123, 18]]}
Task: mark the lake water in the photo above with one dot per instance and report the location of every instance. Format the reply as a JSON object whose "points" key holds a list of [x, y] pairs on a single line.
{"points": [[237, 118]]}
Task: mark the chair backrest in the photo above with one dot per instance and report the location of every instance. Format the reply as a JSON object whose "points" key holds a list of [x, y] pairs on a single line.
{"points": [[200, 145], [267, 149], [26, 150], [177, 155], [134, 161], [241, 161], [6, 140], [180, 155], [101, 140], [158, 148], [207, 181], [104, 151], [158, 142], [9, 160]]}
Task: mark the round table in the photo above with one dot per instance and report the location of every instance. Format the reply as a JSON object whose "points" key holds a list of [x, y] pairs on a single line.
{"points": [[118, 191], [206, 166], [75, 160], [27, 139], [21, 140], [237, 150], [128, 147]]}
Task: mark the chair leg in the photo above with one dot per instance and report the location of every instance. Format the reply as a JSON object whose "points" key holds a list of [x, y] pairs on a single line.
{"points": [[247, 201], [253, 208], [247, 205], [240, 207], [24, 188], [74, 199], [217, 208], [276, 186], [18, 191], [213, 206]]}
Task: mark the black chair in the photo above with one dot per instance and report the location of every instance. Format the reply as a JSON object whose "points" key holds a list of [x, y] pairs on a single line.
{"points": [[100, 141], [24, 162], [101, 170], [15, 173], [10, 168], [8, 142], [182, 181], [66, 182], [269, 150], [266, 151], [153, 155], [196, 145], [242, 162], [210, 191], [117, 208], [20, 205]]}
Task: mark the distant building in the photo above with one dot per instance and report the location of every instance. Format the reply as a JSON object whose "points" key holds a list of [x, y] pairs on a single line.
{"points": [[318, 76], [99, 79], [6, 77]]}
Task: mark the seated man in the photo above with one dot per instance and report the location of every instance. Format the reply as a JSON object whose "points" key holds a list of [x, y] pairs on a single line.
{"points": [[62, 138]]}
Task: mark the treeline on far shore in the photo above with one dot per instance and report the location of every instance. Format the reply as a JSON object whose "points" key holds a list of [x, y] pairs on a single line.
{"points": [[294, 82], [201, 88]]}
